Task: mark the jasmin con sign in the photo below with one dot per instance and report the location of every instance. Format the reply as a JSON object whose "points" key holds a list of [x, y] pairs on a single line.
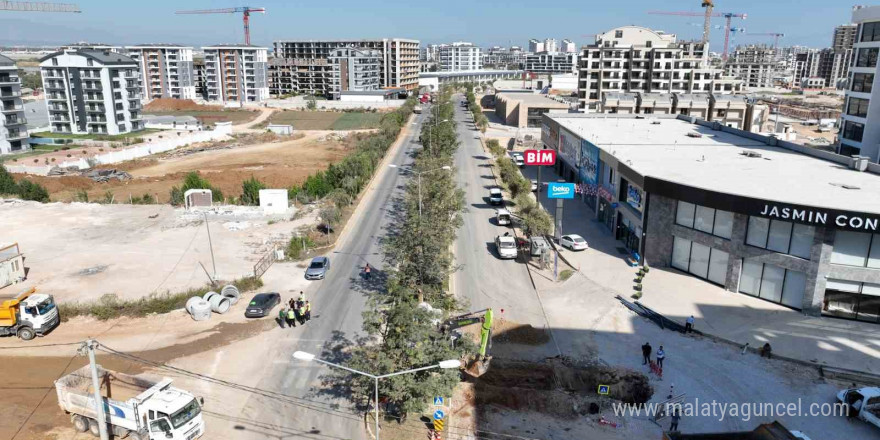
{"points": [[823, 218]]}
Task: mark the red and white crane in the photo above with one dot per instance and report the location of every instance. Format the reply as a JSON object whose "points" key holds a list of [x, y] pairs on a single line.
{"points": [[707, 25], [246, 15], [38, 7]]}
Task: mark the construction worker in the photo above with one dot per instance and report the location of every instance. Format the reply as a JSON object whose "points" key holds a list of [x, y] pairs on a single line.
{"points": [[282, 316], [302, 297], [302, 313], [308, 311], [291, 317]]}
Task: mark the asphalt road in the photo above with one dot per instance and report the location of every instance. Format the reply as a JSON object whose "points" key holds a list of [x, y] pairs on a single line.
{"points": [[337, 304], [483, 279]]}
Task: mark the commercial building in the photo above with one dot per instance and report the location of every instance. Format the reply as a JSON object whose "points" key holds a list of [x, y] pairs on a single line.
{"points": [[13, 125], [400, 60], [767, 218], [166, 70], [354, 70], [236, 73], [859, 130], [551, 62], [754, 64], [459, 56], [92, 92], [525, 109], [637, 59], [433, 80]]}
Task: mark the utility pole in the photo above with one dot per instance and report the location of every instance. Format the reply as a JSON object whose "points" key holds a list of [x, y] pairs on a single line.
{"points": [[89, 346], [210, 245]]}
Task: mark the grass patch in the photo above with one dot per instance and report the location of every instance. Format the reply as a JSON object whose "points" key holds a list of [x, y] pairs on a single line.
{"points": [[357, 121], [96, 137], [36, 150], [210, 117], [318, 120], [565, 274], [110, 306]]}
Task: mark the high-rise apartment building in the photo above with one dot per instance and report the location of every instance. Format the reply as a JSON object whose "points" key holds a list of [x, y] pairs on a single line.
{"points": [[536, 46], [568, 46], [550, 45], [842, 49], [200, 80], [754, 64], [637, 59], [92, 92], [13, 125], [551, 62], [236, 73], [356, 70], [859, 126], [166, 70], [459, 56]]}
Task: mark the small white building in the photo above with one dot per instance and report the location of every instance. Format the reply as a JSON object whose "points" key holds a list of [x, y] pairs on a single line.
{"points": [[274, 201], [198, 198], [11, 265]]}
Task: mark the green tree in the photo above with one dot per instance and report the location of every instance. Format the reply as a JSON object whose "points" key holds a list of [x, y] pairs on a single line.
{"points": [[311, 104], [194, 181], [7, 183], [28, 190], [250, 191]]}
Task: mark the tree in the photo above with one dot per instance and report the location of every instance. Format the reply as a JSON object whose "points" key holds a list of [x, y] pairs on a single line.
{"points": [[7, 183], [330, 216], [194, 181], [250, 191], [311, 104], [28, 190]]}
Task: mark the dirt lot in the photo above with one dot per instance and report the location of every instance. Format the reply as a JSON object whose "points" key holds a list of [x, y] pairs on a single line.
{"points": [[315, 120], [207, 114]]}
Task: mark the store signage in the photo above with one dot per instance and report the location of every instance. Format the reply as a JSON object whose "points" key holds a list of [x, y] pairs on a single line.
{"points": [[634, 197], [550, 135], [560, 190], [589, 163], [540, 157], [569, 147], [822, 218]]}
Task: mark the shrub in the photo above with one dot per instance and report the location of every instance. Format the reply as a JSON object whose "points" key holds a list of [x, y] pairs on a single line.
{"points": [[28, 190], [81, 196], [250, 191], [298, 246], [7, 184]]}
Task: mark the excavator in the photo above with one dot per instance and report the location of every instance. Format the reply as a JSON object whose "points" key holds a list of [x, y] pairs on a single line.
{"points": [[480, 364]]}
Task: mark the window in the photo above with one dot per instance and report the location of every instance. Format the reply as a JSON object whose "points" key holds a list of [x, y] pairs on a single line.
{"points": [[773, 283], [779, 236], [852, 300], [856, 249], [709, 220], [862, 82], [857, 107], [867, 57], [54, 61], [853, 131], [618, 34], [90, 62], [700, 260], [870, 32]]}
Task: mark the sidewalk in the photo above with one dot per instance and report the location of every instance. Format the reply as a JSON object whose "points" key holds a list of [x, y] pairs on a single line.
{"points": [[728, 315]]}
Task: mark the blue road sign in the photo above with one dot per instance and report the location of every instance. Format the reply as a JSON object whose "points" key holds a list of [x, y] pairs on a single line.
{"points": [[439, 414], [604, 389], [438, 401], [557, 190]]}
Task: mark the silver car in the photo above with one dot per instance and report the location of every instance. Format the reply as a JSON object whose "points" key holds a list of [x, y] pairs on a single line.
{"points": [[318, 268]]}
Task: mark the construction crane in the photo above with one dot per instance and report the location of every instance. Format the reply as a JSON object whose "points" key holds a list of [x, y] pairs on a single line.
{"points": [[776, 37], [246, 14], [707, 25], [38, 7]]}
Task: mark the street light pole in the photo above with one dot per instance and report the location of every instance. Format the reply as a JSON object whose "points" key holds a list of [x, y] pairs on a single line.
{"points": [[308, 357], [419, 179]]}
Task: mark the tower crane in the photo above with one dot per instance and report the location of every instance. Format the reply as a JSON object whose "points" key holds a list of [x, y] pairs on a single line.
{"points": [[706, 25], [38, 7], [246, 14]]}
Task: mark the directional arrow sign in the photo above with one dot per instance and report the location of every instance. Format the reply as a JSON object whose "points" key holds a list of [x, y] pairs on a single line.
{"points": [[439, 414]]}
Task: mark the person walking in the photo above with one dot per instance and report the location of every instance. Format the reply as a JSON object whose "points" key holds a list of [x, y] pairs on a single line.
{"points": [[302, 313], [291, 317], [308, 311], [689, 324], [660, 356], [646, 353], [676, 416], [367, 271]]}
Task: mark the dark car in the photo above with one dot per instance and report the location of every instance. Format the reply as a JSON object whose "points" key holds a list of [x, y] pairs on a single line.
{"points": [[318, 268], [261, 304]]}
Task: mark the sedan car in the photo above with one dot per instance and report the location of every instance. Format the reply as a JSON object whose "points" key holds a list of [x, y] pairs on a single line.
{"points": [[574, 242], [261, 304], [519, 160], [506, 246], [534, 185], [318, 268]]}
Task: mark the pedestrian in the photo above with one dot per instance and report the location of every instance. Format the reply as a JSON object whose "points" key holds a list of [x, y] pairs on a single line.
{"points": [[292, 303], [302, 313], [308, 311], [766, 350], [689, 324], [676, 416], [367, 271], [660, 356], [646, 353], [302, 296], [291, 317], [282, 316]]}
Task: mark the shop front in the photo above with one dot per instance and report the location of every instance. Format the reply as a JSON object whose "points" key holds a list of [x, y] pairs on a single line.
{"points": [[569, 151], [588, 169]]}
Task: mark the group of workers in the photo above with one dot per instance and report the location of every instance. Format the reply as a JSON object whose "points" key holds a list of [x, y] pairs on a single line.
{"points": [[298, 310]]}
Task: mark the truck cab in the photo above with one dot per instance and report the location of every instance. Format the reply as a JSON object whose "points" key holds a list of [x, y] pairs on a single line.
{"points": [[863, 403], [28, 314], [173, 412]]}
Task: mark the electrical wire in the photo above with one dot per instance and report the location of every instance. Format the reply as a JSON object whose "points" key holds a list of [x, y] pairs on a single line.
{"points": [[46, 394]]}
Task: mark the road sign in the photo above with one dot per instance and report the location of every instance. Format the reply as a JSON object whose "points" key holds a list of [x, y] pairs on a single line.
{"points": [[557, 190], [604, 390], [438, 425], [439, 414], [438, 401], [539, 157]]}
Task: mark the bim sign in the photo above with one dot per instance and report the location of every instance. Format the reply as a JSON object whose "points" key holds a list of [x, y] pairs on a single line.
{"points": [[540, 157]]}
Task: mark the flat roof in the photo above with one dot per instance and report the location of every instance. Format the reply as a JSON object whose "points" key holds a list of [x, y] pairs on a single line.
{"points": [[469, 73], [532, 100], [5, 61], [105, 57], [660, 147]]}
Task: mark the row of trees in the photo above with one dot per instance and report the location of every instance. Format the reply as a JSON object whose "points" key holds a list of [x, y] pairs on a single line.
{"points": [[535, 220], [480, 120], [23, 189]]}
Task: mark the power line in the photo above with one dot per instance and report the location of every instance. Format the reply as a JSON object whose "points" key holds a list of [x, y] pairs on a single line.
{"points": [[49, 390]]}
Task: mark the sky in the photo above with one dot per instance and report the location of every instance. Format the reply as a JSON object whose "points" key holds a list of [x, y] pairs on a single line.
{"points": [[484, 22]]}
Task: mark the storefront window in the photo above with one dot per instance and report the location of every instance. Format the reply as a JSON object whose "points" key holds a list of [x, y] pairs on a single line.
{"points": [[856, 249], [701, 218], [852, 300], [773, 283], [758, 228], [699, 260], [783, 237]]}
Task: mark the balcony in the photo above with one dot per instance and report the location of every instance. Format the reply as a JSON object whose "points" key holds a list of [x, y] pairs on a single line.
{"points": [[16, 135], [9, 80], [95, 110], [59, 119], [11, 108], [10, 94], [15, 121]]}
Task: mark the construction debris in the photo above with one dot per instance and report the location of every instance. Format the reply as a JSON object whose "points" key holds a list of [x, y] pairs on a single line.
{"points": [[99, 175]]}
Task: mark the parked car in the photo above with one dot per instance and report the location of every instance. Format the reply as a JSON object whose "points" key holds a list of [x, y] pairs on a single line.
{"points": [[262, 304], [574, 242], [495, 196], [863, 402], [318, 268], [502, 216], [519, 160], [506, 246], [534, 185]]}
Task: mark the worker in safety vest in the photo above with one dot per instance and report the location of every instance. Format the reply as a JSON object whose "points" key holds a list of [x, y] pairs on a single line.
{"points": [[308, 311], [291, 317], [302, 313]]}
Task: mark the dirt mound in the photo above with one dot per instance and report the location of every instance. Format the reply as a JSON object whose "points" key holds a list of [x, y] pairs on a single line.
{"points": [[515, 333], [170, 104]]}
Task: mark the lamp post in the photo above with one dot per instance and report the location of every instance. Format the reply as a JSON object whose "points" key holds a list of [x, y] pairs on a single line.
{"points": [[308, 357], [419, 176]]}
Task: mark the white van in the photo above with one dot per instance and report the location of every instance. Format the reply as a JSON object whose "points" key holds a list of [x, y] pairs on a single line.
{"points": [[502, 216]]}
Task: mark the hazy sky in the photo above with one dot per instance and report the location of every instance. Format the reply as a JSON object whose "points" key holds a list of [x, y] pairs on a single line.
{"points": [[484, 22]]}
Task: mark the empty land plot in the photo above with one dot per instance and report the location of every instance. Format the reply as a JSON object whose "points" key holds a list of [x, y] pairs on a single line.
{"points": [[209, 117], [314, 120]]}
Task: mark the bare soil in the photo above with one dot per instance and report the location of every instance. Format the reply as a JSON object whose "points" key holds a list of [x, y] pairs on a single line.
{"points": [[170, 104], [207, 114]]}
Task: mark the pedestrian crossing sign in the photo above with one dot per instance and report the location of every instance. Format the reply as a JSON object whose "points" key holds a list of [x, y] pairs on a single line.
{"points": [[438, 401], [604, 390]]}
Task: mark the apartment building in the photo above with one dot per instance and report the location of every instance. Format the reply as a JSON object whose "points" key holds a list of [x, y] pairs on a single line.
{"points": [[504, 58], [550, 45], [568, 46], [859, 129], [400, 61], [536, 46], [842, 45], [640, 60], [754, 64], [236, 73], [166, 70], [200, 81], [13, 128], [92, 92], [551, 62], [459, 56], [357, 70]]}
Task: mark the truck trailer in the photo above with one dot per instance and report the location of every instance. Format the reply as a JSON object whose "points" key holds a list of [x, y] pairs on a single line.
{"points": [[135, 407]]}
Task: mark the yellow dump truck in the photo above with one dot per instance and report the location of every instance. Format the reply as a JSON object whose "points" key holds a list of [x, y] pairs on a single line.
{"points": [[28, 314]]}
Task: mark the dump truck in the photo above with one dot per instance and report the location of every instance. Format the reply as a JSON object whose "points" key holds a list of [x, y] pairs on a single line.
{"points": [[480, 364], [28, 314], [151, 410]]}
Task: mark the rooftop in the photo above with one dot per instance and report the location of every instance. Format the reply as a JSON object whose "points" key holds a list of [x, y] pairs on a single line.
{"points": [[660, 147], [532, 100], [4, 61], [164, 45], [104, 57]]}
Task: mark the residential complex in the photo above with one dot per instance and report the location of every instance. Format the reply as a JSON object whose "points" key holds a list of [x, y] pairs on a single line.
{"points": [[753, 214], [201, 83], [166, 71], [13, 129], [754, 64], [355, 70], [859, 129], [504, 58], [236, 73], [551, 62], [637, 59], [459, 56], [92, 92]]}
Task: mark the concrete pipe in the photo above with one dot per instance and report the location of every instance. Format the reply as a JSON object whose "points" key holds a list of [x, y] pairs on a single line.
{"points": [[199, 309], [220, 304], [231, 292], [190, 302], [207, 296]]}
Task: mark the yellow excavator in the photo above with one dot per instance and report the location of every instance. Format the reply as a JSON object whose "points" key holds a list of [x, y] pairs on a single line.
{"points": [[480, 364]]}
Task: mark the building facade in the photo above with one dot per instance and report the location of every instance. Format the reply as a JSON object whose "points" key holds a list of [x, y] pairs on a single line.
{"points": [[536, 46], [355, 70], [551, 62], [92, 92], [236, 73], [755, 65], [859, 131], [695, 199], [568, 46], [636, 59], [199, 78], [166, 71], [460, 56], [842, 46], [13, 125], [504, 58]]}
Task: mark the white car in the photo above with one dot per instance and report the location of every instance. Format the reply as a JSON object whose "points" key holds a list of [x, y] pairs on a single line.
{"points": [[506, 246], [519, 160], [534, 185], [574, 242]]}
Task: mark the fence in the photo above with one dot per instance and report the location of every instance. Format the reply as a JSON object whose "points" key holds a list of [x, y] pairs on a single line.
{"points": [[265, 263]]}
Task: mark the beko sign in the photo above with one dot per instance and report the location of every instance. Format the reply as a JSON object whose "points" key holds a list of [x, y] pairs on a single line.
{"points": [[822, 218]]}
